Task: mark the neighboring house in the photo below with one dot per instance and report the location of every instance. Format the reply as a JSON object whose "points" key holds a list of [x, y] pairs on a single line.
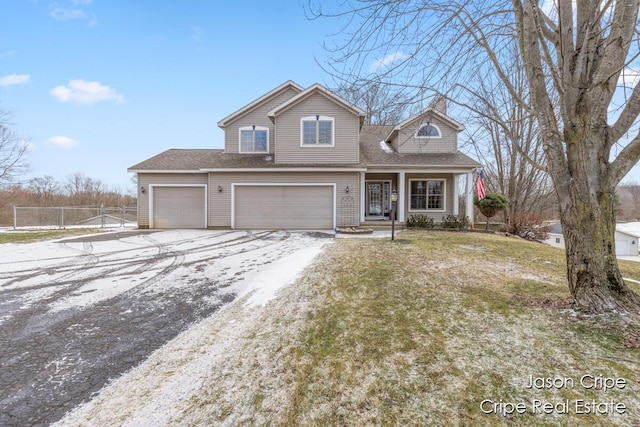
{"points": [[626, 239], [300, 158]]}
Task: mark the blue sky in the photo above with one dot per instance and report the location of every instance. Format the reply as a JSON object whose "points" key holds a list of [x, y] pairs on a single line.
{"points": [[98, 85]]}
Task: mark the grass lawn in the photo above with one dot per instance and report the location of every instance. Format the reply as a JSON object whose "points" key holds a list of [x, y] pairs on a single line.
{"points": [[30, 236], [422, 330]]}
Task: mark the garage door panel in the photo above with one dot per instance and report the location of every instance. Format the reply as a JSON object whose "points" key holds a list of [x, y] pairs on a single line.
{"points": [[284, 207], [179, 207]]}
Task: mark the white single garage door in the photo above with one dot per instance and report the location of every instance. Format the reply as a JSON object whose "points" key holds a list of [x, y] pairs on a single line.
{"points": [[622, 247], [294, 207], [179, 207]]}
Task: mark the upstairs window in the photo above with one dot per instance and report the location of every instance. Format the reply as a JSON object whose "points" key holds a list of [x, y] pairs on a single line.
{"points": [[317, 131], [254, 139], [428, 130]]}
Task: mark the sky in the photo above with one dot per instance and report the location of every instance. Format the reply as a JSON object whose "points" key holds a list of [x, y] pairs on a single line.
{"points": [[96, 86]]}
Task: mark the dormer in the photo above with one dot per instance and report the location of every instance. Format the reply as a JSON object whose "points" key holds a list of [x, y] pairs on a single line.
{"points": [[317, 126], [249, 130], [430, 131]]}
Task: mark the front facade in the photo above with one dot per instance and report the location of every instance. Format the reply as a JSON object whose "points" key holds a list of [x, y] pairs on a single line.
{"points": [[300, 158]]}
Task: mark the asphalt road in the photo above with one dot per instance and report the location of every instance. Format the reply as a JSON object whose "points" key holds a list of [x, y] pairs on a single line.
{"points": [[79, 313]]}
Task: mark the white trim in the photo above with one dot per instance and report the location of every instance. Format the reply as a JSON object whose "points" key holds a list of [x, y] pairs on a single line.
{"points": [[363, 198], [318, 118], [206, 200], [252, 128], [469, 202], [244, 110], [280, 184], [400, 205], [444, 195], [390, 207], [415, 135], [198, 171], [277, 169], [315, 88]]}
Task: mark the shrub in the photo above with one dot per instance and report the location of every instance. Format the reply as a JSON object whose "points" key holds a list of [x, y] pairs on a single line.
{"points": [[419, 221], [528, 226], [458, 222]]}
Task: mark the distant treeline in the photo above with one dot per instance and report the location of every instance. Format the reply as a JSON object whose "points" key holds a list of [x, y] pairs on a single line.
{"points": [[77, 190]]}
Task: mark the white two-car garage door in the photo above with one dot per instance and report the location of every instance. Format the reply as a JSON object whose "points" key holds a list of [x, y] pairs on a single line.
{"points": [[294, 207], [179, 207]]}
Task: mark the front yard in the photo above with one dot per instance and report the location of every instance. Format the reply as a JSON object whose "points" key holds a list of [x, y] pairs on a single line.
{"points": [[434, 328]]}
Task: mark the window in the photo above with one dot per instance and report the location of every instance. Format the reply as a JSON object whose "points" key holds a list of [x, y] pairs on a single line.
{"points": [[428, 130], [427, 195], [557, 240], [317, 131], [254, 139]]}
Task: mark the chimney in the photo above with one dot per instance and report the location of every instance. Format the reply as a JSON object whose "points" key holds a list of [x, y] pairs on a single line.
{"points": [[439, 103]]}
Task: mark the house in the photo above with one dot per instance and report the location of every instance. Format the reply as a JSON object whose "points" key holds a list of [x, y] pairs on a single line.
{"points": [[299, 158], [626, 238]]}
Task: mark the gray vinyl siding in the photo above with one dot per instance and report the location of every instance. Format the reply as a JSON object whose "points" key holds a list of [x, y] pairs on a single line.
{"points": [[407, 143], [347, 204], [347, 127], [258, 117], [449, 190], [146, 179]]}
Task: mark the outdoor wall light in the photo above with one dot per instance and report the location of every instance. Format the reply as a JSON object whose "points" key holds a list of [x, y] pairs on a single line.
{"points": [[219, 188], [346, 190], [142, 190]]}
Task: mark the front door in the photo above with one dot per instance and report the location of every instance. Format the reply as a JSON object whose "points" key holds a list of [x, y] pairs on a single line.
{"points": [[378, 199]]}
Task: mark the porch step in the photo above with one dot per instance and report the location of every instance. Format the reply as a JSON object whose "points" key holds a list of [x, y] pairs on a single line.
{"points": [[382, 225]]}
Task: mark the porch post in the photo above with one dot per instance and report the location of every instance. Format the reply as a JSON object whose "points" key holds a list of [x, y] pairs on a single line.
{"points": [[363, 189], [470, 197], [456, 196], [401, 197]]}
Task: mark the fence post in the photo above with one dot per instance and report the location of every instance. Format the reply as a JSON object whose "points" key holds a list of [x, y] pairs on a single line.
{"points": [[15, 217], [61, 217], [101, 216]]}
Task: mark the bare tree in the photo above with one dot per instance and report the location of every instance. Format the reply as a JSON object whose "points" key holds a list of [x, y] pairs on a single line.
{"points": [[45, 189], [507, 141], [381, 104], [574, 53], [83, 190], [13, 152]]}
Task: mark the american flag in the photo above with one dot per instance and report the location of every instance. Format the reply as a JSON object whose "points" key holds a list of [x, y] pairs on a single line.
{"points": [[480, 185]]}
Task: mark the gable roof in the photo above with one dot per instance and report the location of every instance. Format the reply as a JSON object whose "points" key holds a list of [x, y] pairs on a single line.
{"points": [[374, 154], [289, 84], [427, 111], [311, 90]]}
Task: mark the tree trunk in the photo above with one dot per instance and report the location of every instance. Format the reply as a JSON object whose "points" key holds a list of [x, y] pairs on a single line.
{"points": [[595, 282]]}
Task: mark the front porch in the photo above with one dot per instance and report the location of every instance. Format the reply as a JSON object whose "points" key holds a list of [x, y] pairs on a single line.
{"points": [[431, 192]]}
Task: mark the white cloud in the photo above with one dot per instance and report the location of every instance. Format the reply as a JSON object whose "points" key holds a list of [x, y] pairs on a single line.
{"points": [[14, 79], [629, 77], [62, 13], [61, 142], [77, 2], [7, 54], [86, 93], [387, 60]]}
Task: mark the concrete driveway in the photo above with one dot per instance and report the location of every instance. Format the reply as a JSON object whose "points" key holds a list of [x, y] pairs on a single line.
{"points": [[78, 313]]}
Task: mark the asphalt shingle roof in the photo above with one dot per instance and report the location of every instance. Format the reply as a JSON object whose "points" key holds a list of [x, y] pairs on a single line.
{"points": [[371, 154]]}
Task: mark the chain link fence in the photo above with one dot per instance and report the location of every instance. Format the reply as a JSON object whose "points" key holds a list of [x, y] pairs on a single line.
{"points": [[74, 216]]}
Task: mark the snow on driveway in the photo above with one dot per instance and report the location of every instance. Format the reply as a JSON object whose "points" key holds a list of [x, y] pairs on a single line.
{"points": [[77, 313]]}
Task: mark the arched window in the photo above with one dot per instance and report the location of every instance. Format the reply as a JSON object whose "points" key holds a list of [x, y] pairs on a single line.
{"points": [[428, 130]]}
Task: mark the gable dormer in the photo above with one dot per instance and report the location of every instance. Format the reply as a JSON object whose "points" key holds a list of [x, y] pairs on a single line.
{"points": [[317, 126], [430, 131], [249, 130]]}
